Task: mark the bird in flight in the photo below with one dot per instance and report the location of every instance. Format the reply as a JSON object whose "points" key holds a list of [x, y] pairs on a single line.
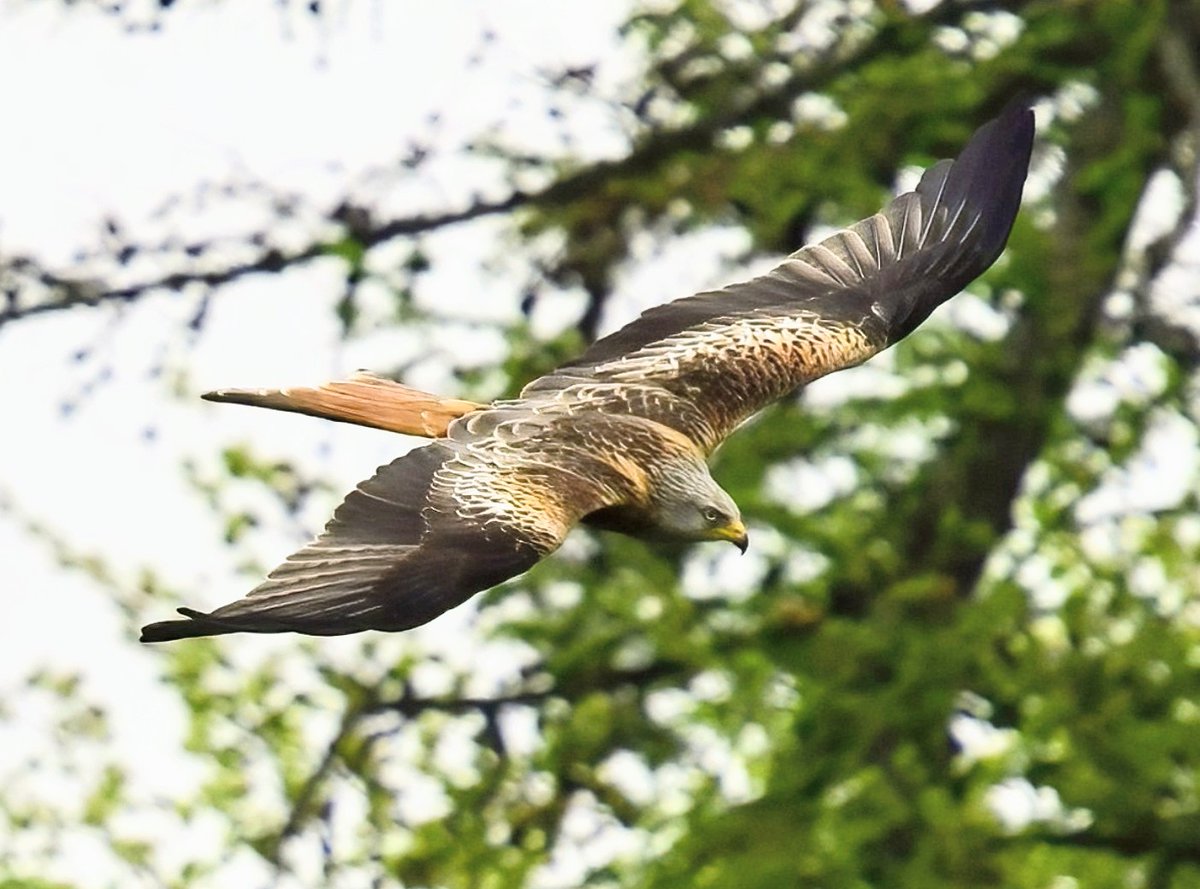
{"points": [[619, 437]]}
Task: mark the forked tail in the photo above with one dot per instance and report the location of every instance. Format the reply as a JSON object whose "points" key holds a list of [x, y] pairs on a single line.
{"points": [[364, 399]]}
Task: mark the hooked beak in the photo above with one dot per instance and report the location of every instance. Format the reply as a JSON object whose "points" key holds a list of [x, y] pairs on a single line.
{"points": [[735, 533]]}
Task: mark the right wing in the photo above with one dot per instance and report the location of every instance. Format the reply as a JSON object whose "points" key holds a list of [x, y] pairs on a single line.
{"points": [[704, 364]]}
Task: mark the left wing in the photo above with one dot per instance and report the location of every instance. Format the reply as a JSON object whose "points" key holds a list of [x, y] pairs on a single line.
{"points": [[426, 533], [706, 363]]}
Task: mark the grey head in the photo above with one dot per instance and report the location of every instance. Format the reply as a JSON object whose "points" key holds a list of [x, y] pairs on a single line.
{"points": [[686, 503]]}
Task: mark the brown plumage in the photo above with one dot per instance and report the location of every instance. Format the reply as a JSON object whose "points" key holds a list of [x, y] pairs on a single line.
{"points": [[618, 438]]}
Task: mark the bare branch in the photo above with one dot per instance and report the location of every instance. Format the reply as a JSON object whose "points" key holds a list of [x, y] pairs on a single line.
{"points": [[411, 706], [303, 806]]}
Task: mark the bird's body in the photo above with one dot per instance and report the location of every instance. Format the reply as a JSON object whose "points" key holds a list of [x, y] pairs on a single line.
{"points": [[619, 437]]}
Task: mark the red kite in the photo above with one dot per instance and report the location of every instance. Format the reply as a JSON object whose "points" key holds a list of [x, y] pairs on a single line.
{"points": [[619, 437]]}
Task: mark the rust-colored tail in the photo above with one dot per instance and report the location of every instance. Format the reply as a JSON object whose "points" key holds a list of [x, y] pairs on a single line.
{"points": [[365, 400]]}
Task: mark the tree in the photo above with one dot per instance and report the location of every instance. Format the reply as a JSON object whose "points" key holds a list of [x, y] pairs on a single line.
{"points": [[963, 651]]}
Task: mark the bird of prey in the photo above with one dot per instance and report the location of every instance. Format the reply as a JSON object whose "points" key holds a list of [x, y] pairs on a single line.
{"points": [[619, 437]]}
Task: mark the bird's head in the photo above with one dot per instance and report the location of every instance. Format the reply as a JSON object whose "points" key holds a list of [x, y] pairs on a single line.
{"points": [[688, 504]]}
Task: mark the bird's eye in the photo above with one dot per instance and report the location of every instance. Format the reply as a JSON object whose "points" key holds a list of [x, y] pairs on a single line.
{"points": [[712, 515]]}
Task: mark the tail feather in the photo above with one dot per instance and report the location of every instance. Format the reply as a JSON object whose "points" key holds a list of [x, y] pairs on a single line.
{"points": [[364, 399]]}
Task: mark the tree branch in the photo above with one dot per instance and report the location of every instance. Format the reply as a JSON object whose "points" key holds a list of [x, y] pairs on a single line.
{"points": [[302, 807], [1128, 845], [410, 706], [1180, 70]]}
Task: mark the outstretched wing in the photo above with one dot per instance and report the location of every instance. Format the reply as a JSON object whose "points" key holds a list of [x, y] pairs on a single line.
{"points": [[705, 363], [428, 531]]}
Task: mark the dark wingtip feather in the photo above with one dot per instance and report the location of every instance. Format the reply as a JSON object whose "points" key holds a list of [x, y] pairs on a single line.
{"points": [[986, 181], [992, 170], [197, 624]]}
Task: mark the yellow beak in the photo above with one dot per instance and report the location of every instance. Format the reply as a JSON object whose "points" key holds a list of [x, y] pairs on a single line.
{"points": [[735, 533]]}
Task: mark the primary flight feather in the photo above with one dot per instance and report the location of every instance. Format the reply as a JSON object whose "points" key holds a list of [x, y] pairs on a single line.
{"points": [[619, 437]]}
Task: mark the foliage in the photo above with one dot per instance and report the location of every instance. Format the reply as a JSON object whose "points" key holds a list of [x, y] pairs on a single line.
{"points": [[944, 664]]}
